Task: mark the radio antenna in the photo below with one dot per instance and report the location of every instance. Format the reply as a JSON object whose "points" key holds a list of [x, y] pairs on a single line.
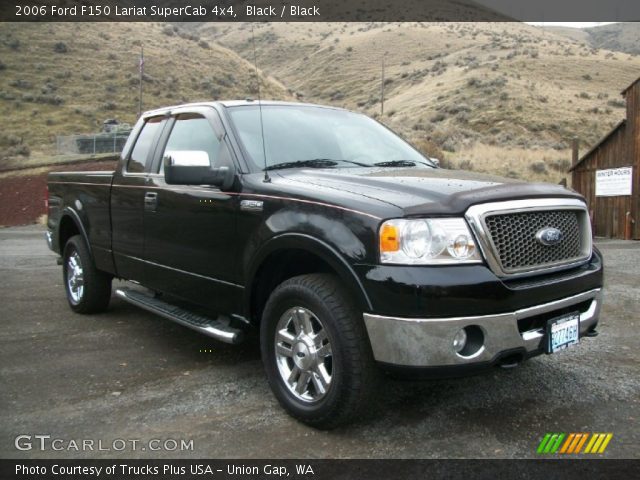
{"points": [[264, 148]]}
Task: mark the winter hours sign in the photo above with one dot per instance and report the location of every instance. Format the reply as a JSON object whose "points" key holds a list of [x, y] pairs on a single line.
{"points": [[613, 182]]}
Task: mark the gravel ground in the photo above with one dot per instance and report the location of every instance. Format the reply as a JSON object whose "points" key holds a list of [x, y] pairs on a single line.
{"points": [[129, 375]]}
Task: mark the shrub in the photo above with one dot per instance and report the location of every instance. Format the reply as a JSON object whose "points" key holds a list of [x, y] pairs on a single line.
{"points": [[60, 47], [560, 164], [449, 145], [465, 165], [538, 167], [616, 103], [22, 84], [6, 95], [48, 87], [430, 149], [203, 44], [7, 140], [49, 99]]}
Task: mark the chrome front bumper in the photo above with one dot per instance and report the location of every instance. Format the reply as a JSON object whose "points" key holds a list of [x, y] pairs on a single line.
{"points": [[428, 342]]}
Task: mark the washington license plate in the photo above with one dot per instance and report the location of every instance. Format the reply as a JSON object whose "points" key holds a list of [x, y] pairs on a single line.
{"points": [[563, 332]]}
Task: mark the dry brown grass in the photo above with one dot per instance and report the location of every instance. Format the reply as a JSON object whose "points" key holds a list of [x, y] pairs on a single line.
{"points": [[539, 165]]}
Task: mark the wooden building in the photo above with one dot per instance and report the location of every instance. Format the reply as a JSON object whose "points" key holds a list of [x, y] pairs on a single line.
{"points": [[608, 175]]}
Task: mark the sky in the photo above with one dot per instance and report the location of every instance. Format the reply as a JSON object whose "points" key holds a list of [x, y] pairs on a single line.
{"points": [[570, 24]]}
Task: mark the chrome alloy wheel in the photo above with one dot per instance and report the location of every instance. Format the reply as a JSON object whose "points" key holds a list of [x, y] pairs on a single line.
{"points": [[75, 279], [303, 354]]}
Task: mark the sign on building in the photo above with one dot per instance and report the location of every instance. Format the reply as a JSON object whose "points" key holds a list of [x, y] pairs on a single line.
{"points": [[613, 182]]}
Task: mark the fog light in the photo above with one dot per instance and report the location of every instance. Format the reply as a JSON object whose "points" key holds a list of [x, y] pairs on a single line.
{"points": [[460, 340]]}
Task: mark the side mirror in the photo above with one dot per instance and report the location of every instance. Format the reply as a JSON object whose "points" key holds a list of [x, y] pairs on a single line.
{"points": [[192, 168], [435, 161]]}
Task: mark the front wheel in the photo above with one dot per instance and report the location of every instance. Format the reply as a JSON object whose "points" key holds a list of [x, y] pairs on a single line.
{"points": [[316, 352], [88, 289]]}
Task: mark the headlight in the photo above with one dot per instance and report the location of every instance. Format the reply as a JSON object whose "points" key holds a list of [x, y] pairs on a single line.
{"points": [[430, 241]]}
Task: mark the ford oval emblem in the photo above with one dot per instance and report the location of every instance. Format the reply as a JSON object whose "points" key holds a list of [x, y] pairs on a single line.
{"points": [[549, 236]]}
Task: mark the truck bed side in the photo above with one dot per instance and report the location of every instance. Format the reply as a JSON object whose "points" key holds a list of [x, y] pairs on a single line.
{"points": [[79, 203]]}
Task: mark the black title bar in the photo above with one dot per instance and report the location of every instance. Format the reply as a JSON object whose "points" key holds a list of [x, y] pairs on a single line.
{"points": [[318, 10], [317, 469]]}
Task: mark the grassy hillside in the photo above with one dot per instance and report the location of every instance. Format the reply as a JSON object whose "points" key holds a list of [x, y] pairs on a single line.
{"points": [[65, 78], [504, 97], [620, 37]]}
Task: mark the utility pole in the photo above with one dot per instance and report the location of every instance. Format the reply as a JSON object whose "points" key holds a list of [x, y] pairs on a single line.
{"points": [[141, 68], [382, 89]]}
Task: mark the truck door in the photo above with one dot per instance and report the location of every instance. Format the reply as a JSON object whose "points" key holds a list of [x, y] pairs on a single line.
{"points": [[128, 200], [190, 233]]}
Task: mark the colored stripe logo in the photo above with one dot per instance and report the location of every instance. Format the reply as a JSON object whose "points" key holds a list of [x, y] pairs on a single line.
{"points": [[573, 443]]}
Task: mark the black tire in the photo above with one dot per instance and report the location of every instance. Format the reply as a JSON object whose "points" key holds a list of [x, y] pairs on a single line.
{"points": [[354, 375], [96, 285]]}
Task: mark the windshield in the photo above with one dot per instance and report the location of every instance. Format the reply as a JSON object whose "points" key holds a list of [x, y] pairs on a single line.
{"points": [[297, 135]]}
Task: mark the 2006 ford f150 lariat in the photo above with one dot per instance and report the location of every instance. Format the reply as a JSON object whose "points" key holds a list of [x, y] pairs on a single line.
{"points": [[350, 251]]}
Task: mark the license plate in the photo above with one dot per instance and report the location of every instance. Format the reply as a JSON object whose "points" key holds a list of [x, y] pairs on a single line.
{"points": [[563, 332]]}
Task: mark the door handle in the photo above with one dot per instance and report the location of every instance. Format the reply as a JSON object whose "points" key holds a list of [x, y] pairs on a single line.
{"points": [[150, 201]]}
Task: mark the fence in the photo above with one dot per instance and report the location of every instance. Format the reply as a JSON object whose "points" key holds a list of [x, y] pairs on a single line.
{"points": [[91, 143]]}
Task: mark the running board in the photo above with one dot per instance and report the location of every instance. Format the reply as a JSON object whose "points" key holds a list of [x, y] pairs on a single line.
{"points": [[217, 328]]}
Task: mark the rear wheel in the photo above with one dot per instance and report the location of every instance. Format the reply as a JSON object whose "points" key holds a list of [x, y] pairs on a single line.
{"points": [[316, 352], [88, 289]]}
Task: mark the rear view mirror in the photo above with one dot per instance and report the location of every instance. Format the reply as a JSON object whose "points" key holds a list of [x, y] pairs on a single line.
{"points": [[192, 168]]}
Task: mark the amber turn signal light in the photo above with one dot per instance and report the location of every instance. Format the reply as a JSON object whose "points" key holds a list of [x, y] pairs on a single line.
{"points": [[389, 238]]}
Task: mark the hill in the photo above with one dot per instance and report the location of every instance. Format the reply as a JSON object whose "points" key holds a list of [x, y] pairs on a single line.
{"points": [[618, 37], [501, 97], [65, 78]]}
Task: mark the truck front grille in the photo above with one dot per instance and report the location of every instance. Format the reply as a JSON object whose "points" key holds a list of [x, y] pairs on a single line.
{"points": [[519, 237], [514, 238]]}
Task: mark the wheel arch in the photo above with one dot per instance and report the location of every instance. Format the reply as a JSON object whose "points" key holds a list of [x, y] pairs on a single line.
{"points": [[70, 224], [290, 255]]}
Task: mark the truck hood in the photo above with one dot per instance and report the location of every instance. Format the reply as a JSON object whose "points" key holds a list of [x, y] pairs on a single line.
{"points": [[418, 191]]}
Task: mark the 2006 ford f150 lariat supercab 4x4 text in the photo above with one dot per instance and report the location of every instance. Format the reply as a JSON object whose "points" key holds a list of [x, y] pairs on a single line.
{"points": [[350, 251]]}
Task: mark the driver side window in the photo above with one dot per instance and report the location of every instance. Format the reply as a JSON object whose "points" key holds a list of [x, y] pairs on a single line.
{"points": [[192, 141]]}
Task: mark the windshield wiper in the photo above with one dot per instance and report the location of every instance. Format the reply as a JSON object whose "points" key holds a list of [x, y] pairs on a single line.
{"points": [[401, 163], [314, 163]]}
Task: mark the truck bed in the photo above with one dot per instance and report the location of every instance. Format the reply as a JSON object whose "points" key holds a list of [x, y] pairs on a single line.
{"points": [[88, 195]]}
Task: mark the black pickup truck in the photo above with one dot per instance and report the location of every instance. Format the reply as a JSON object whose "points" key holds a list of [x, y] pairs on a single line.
{"points": [[349, 251]]}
